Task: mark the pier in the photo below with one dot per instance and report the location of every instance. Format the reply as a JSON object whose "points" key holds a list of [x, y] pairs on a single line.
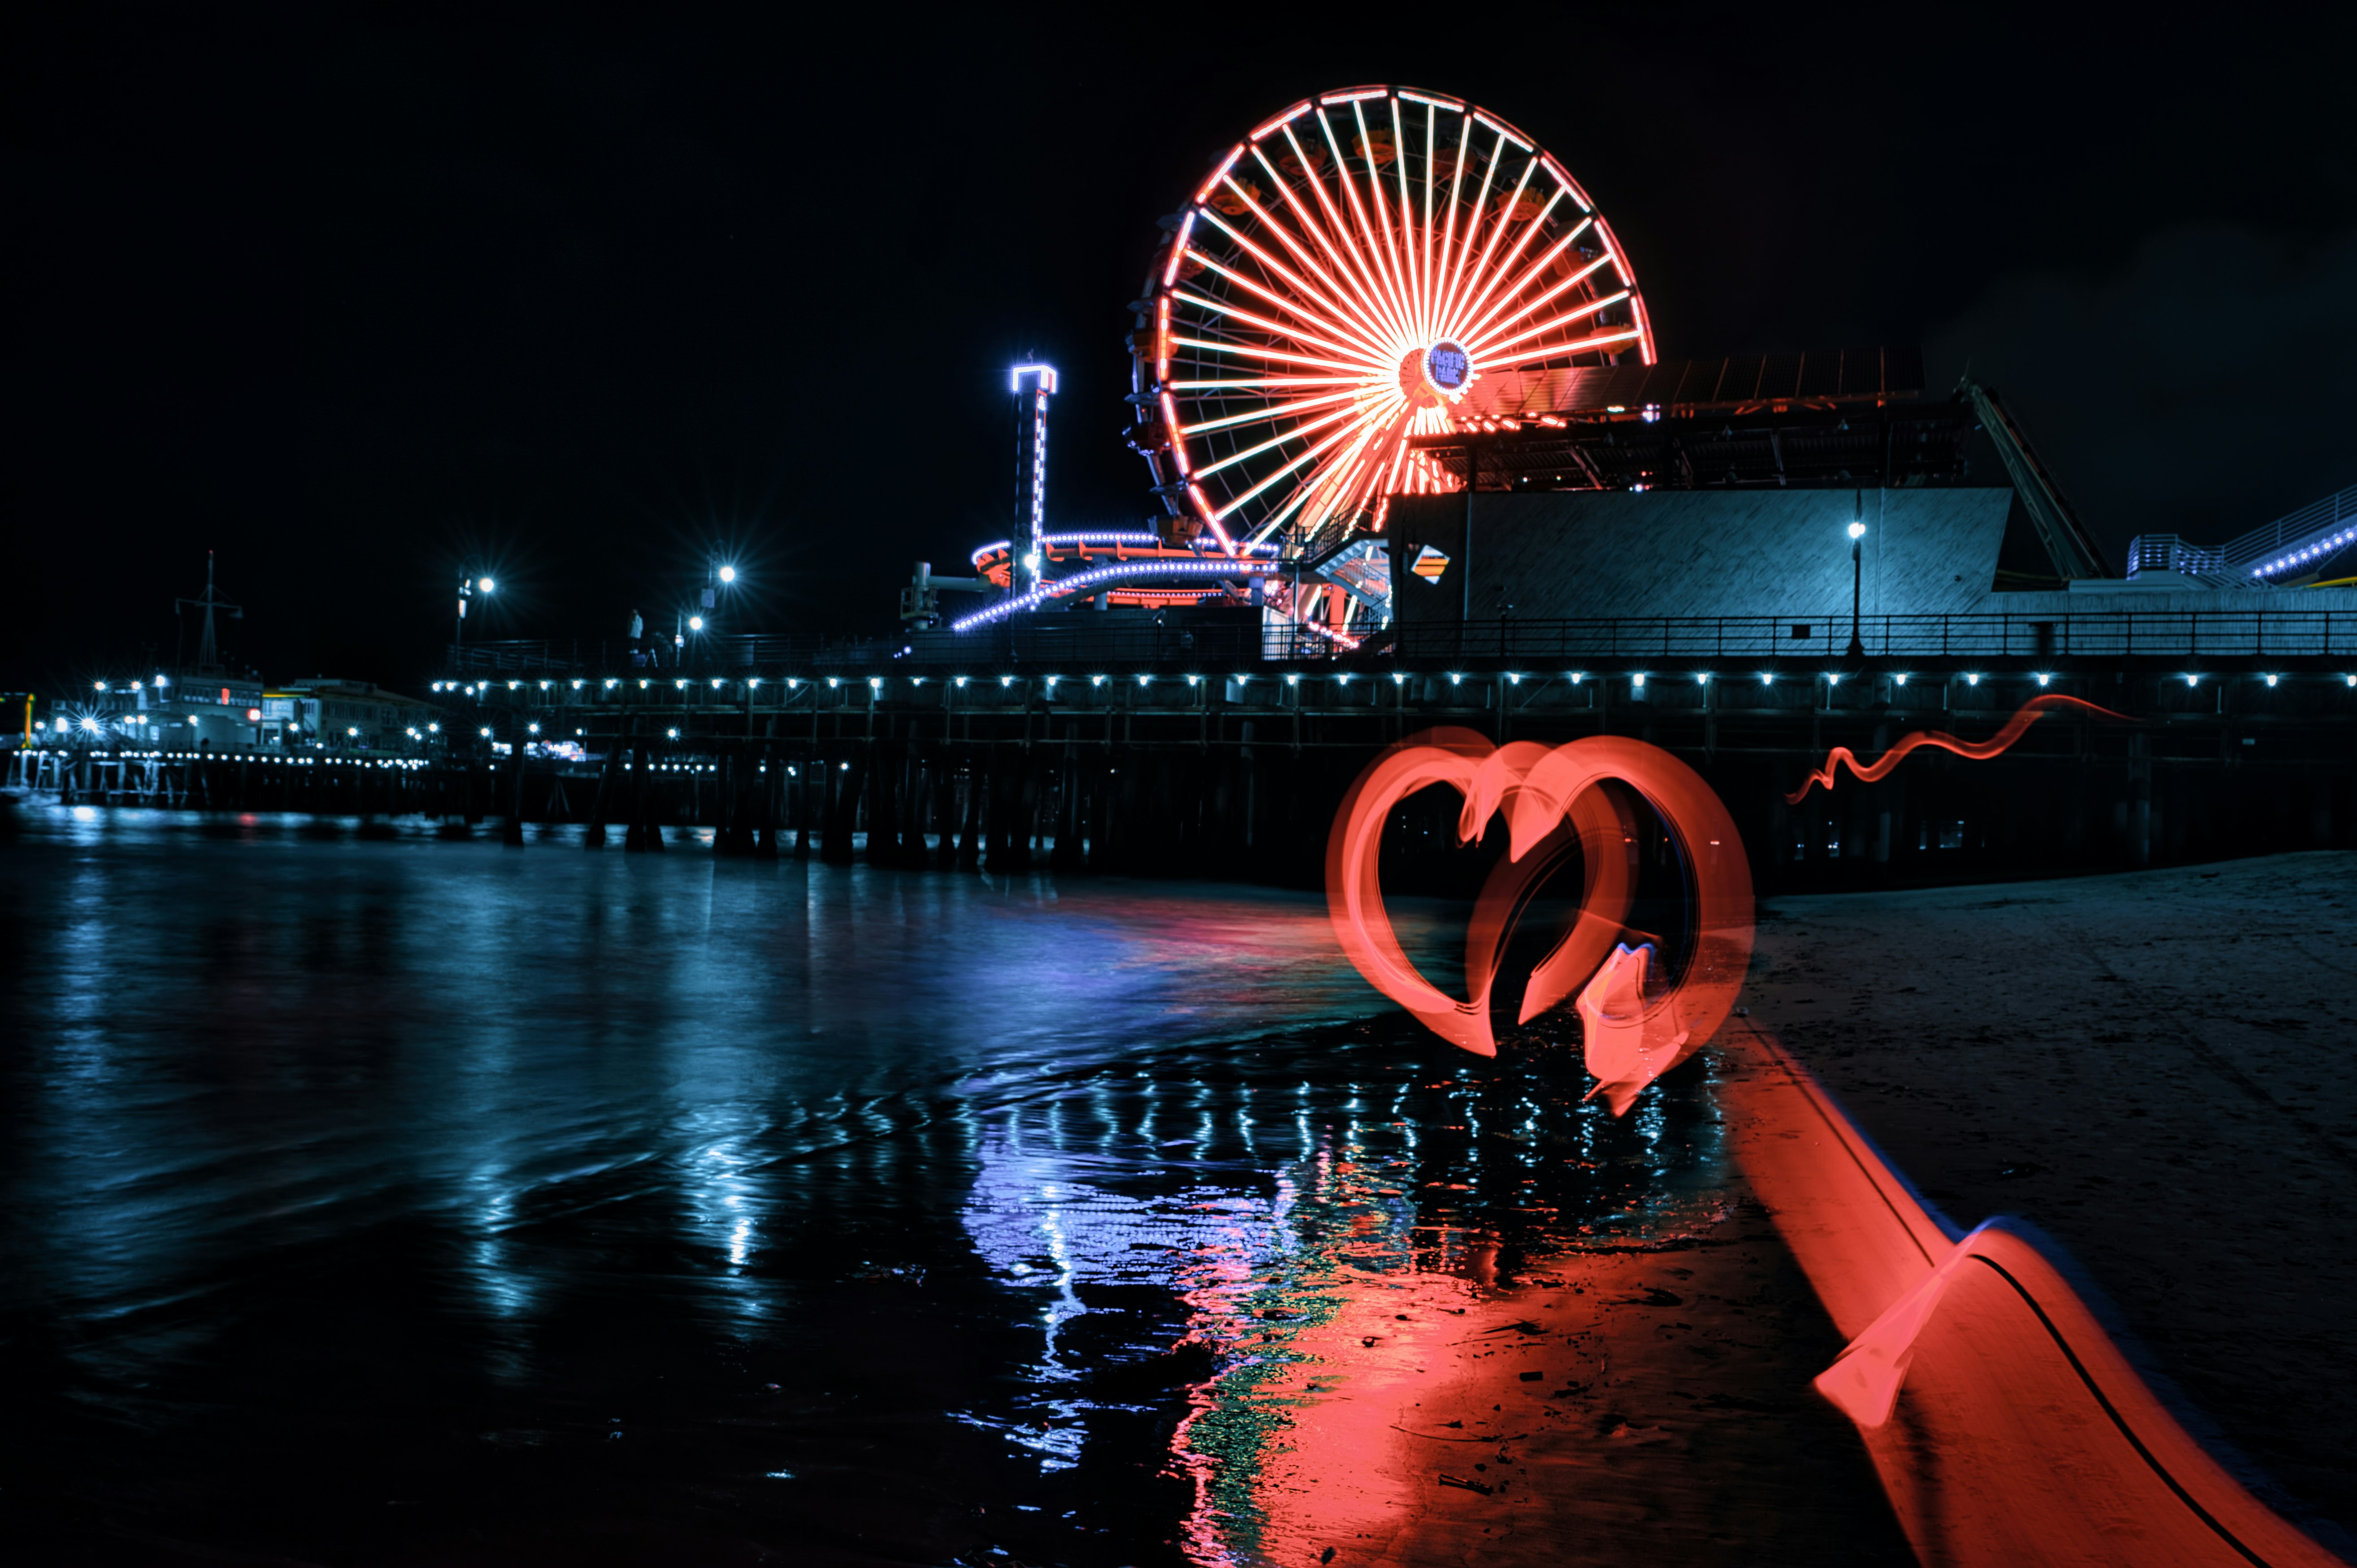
{"points": [[1085, 751]]}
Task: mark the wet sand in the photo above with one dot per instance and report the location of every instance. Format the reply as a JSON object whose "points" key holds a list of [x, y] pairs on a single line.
{"points": [[2151, 1069], [1646, 1405]]}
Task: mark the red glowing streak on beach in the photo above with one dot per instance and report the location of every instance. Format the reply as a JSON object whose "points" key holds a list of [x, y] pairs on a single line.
{"points": [[2029, 713]]}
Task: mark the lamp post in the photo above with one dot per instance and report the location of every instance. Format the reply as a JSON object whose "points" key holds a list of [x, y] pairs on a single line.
{"points": [[1857, 572], [720, 576], [469, 587]]}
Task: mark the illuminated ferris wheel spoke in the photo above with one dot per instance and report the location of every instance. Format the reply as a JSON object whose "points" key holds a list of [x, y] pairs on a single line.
{"points": [[1298, 244], [1334, 307], [1335, 489], [1367, 268], [1276, 356], [1336, 438], [1362, 459], [1407, 224], [1339, 498], [1376, 232], [1273, 411], [1512, 258], [1313, 228], [1291, 307], [1334, 233], [1488, 350], [1448, 221], [1489, 346], [1502, 336], [1333, 243], [1584, 345], [1461, 303], [1298, 433], [1267, 382], [1298, 430], [1531, 274], [1381, 228], [1578, 279], [1431, 128], [1465, 239], [1283, 515], [1360, 354]]}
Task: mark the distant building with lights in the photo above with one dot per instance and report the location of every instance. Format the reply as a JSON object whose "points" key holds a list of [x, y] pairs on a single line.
{"points": [[212, 706], [178, 712], [342, 715]]}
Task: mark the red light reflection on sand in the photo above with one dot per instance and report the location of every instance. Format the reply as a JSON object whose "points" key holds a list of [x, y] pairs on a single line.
{"points": [[1552, 806], [2029, 713]]}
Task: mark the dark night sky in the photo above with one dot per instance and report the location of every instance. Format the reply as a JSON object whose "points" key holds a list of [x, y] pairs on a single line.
{"points": [[360, 296]]}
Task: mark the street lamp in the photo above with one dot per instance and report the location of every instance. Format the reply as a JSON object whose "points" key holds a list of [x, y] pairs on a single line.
{"points": [[1856, 570], [717, 574], [470, 587]]}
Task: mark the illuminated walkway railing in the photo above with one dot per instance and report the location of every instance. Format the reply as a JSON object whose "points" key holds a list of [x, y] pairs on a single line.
{"points": [[2285, 633], [1072, 640]]}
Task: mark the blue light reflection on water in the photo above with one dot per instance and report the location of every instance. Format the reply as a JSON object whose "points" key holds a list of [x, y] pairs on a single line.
{"points": [[1388, 1167], [696, 1089]]}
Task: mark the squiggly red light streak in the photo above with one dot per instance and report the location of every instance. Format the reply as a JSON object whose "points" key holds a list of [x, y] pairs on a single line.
{"points": [[2029, 713]]}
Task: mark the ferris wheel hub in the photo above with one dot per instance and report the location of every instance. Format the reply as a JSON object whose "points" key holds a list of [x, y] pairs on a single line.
{"points": [[1435, 375]]}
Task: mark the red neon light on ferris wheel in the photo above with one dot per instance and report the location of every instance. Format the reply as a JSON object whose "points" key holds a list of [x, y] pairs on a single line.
{"points": [[1348, 276]]}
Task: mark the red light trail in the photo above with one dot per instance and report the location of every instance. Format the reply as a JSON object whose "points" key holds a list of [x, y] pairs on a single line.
{"points": [[2029, 713]]}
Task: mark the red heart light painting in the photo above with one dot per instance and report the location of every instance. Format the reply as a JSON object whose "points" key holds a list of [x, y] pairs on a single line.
{"points": [[1552, 805]]}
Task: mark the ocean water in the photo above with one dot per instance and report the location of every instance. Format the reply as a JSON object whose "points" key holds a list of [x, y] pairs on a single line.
{"points": [[418, 1201]]}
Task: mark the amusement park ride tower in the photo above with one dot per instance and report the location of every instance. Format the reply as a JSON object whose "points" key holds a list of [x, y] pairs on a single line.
{"points": [[1034, 519], [1366, 270]]}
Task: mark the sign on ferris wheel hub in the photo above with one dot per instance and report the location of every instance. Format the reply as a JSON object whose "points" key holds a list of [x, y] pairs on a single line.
{"points": [[1448, 366]]}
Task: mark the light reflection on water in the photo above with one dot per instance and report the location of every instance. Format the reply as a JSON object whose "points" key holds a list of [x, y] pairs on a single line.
{"points": [[1263, 1201], [569, 1109]]}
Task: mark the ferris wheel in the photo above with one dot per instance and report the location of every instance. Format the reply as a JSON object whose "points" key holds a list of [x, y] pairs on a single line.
{"points": [[1366, 267]]}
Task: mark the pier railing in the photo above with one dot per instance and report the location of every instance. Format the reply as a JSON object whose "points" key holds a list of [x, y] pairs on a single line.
{"points": [[1072, 642], [2104, 634]]}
